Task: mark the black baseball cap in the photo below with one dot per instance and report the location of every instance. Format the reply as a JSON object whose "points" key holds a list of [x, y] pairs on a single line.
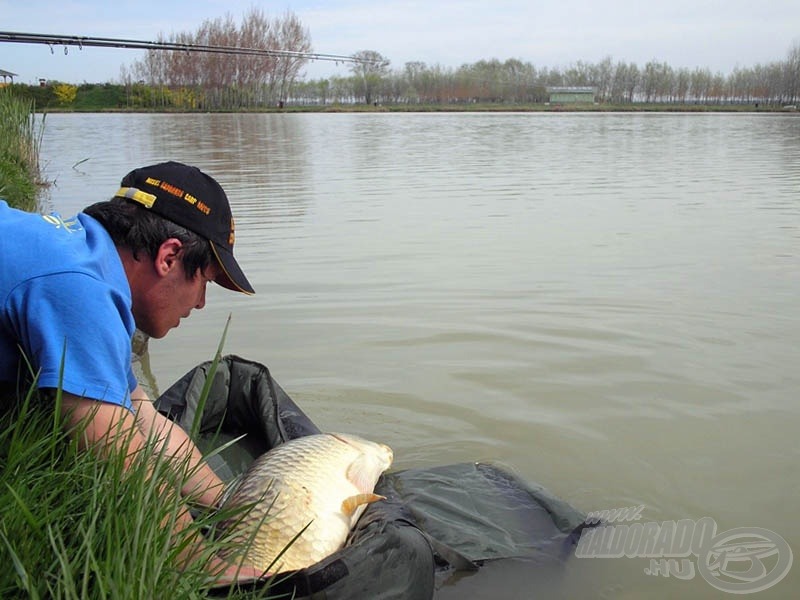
{"points": [[190, 198]]}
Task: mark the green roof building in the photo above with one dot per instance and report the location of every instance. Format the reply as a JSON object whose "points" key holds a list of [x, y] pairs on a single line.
{"points": [[564, 95]]}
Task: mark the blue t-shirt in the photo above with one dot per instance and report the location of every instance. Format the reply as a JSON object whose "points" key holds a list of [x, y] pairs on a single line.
{"points": [[64, 295]]}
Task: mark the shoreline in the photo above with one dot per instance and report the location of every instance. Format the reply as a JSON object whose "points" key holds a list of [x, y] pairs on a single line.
{"points": [[458, 108]]}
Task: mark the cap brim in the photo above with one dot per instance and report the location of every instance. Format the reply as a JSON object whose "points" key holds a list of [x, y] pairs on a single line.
{"points": [[232, 276]]}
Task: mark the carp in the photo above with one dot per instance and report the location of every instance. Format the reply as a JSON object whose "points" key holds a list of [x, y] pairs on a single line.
{"points": [[312, 488]]}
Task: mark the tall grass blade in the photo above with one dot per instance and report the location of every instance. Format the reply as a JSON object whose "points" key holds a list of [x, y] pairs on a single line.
{"points": [[212, 370], [19, 568]]}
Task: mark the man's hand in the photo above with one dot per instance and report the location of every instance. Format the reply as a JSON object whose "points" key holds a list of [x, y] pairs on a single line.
{"points": [[226, 573]]}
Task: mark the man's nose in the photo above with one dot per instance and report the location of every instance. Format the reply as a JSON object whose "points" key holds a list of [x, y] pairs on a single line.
{"points": [[202, 300]]}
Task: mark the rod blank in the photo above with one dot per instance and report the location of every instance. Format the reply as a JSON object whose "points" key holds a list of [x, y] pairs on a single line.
{"points": [[104, 42]]}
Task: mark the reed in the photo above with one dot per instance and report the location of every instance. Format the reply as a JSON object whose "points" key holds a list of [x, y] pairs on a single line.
{"points": [[20, 140]]}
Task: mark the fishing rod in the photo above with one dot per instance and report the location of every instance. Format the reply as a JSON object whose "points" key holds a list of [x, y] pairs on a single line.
{"points": [[104, 42]]}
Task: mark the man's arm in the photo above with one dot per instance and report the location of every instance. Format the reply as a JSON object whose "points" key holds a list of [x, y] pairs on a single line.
{"points": [[203, 485], [104, 428]]}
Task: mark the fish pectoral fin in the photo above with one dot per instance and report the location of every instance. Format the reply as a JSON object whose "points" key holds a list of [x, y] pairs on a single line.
{"points": [[349, 505], [363, 472]]}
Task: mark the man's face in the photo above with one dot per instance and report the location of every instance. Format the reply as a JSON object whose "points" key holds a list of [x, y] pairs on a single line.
{"points": [[183, 295], [171, 297]]}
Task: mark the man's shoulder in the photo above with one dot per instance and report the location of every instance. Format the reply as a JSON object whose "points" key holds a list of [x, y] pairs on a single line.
{"points": [[50, 245]]}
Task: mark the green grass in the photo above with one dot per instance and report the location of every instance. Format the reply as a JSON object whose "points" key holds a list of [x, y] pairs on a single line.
{"points": [[76, 526], [20, 139]]}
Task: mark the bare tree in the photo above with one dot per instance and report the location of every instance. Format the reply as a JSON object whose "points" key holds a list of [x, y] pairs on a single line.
{"points": [[792, 75], [256, 31], [291, 35], [369, 67], [231, 79]]}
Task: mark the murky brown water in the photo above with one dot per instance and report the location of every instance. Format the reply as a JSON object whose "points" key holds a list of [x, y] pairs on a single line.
{"points": [[607, 303]]}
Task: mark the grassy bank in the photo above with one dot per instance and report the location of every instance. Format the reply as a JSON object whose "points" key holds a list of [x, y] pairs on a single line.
{"points": [[20, 138], [79, 526], [75, 526]]}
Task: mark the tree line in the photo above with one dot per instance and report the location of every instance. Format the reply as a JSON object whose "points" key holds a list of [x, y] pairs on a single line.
{"points": [[516, 82], [183, 80], [222, 81], [214, 81]]}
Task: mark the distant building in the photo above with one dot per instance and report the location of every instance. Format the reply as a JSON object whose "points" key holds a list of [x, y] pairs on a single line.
{"points": [[8, 74], [563, 95]]}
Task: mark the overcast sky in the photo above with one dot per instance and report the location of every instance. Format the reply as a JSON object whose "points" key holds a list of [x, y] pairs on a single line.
{"points": [[718, 34]]}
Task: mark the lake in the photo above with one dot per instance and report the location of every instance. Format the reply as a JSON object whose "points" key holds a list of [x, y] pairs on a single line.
{"points": [[608, 304]]}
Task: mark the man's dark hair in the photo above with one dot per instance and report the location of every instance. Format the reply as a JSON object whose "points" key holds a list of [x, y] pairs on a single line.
{"points": [[133, 227]]}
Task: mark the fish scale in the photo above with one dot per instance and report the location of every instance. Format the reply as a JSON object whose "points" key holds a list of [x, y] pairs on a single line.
{"points": [[320, 482]]}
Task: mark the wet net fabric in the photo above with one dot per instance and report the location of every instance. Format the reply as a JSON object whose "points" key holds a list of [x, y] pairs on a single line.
{"points": [[438, 528]]}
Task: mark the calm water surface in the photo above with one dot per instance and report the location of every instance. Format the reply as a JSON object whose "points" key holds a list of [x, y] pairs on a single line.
{"points": [[606, 303]]}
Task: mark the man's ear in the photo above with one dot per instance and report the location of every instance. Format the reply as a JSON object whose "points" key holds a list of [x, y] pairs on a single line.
{"points": [[168, 256]]}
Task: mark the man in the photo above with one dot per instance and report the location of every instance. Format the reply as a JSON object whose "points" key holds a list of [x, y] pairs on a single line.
{"points": [[75, 291]]}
